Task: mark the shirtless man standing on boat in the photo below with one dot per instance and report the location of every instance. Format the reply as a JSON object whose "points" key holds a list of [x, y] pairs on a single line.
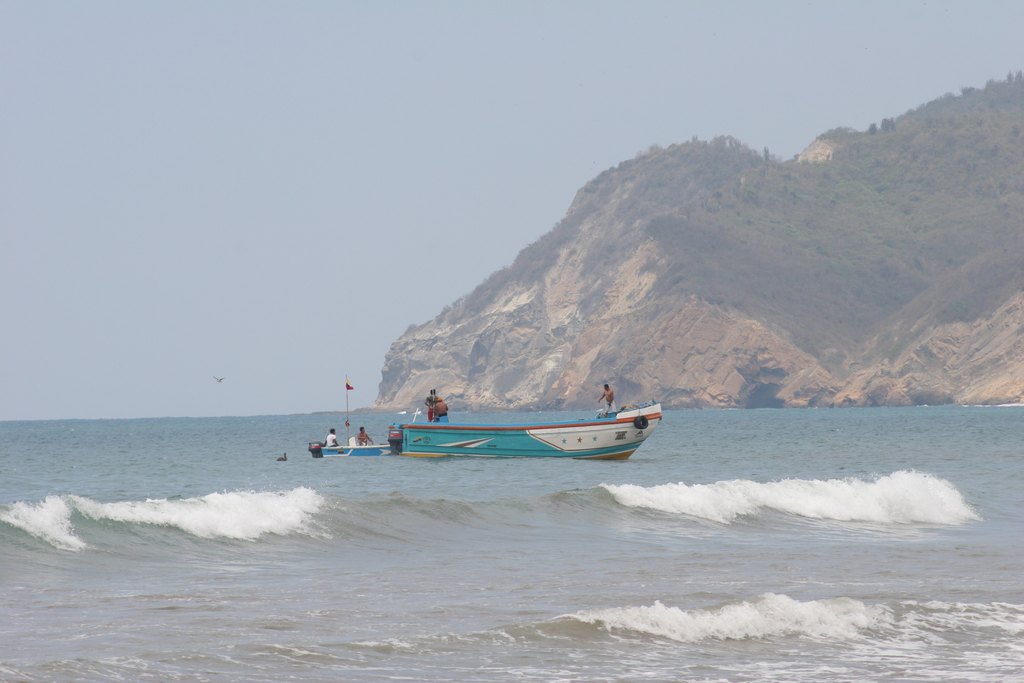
{"points": [[440, 410], [609, 399]]}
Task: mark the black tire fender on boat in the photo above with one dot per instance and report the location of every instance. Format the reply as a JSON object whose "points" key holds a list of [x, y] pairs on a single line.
{"points": [[641, 422]]}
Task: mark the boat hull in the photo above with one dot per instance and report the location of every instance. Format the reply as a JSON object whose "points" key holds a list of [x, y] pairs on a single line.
{"points": [[612, 437]]}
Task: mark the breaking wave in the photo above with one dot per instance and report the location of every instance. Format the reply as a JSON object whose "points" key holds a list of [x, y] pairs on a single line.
{"points": [[895, 628], [769, 615], [240, 515], [49, 520], [903, 497]]}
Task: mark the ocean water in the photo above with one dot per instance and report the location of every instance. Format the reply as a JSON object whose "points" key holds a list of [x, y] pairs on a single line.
{"points": [[766, 545]]}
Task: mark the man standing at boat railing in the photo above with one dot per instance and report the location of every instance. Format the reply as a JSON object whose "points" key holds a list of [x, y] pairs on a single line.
{"points": [[436, 407], [440, 410], [609, 399], [429, 403]]}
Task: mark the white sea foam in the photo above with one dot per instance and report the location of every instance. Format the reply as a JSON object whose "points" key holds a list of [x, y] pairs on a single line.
{"points": [[903, 497], [770, 615], [244, 515], [935, 616], [940, 637], [49, 520], [919, 635]]}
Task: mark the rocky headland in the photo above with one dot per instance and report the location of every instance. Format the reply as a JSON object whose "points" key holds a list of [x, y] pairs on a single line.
{"points": [[879, 267]]}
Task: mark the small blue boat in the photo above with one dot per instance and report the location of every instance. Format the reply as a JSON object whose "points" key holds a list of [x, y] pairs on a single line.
{"points": [[318, 450], [611, 436]]}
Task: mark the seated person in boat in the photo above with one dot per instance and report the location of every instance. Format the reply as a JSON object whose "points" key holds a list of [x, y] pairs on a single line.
{"points": [[362, 438], [440, 410], [332, 438]]}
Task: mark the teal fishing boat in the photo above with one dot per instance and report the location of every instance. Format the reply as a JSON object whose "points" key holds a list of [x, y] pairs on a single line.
{"points": [[611, 436]]}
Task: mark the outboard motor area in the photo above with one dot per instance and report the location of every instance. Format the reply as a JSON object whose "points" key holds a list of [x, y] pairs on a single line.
{"points": [[316, 449], [395, 436]]}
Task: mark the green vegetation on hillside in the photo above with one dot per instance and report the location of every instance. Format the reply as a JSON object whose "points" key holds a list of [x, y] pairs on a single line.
{"points": [[916, 220], [920, 219]]}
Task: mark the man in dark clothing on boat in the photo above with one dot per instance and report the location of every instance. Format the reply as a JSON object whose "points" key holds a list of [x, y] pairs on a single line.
{"points": [[429, 403]]}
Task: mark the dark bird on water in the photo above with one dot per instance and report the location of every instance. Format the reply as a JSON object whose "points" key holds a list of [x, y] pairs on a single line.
{"points": [[283, 457]]}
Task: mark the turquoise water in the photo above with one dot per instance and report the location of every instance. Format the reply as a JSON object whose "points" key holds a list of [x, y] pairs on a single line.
{"points": [[786, 545]]}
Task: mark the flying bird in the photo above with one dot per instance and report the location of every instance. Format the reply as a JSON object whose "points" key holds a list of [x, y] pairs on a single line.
{"points": [[219, 379]]}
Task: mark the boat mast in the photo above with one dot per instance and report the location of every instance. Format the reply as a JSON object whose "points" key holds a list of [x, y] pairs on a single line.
{"points": [[348, 388]]}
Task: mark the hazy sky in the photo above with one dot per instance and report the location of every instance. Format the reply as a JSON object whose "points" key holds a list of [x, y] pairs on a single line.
{"points": [[273, 192]]}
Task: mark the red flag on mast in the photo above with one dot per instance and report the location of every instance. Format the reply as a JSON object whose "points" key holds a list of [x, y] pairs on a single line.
{"points": [[348, 385]]}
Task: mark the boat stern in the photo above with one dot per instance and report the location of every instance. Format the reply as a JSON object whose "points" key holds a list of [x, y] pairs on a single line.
{"points": [[395, 436]]}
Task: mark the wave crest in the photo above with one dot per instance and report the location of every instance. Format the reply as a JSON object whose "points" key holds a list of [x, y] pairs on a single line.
{"points": [[49, 520], [241, 515], [769, 615], [903, 497]]}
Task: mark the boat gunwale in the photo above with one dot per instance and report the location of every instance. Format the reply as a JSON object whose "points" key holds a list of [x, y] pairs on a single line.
{"points": [[583, 422]]}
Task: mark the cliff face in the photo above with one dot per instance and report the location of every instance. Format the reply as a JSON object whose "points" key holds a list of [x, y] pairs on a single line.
{"points": [[981, 362], [536, 348], [887, 272]]}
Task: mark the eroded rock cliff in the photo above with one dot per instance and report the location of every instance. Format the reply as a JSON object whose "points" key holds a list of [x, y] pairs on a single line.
{"points": [[889, 272]]}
